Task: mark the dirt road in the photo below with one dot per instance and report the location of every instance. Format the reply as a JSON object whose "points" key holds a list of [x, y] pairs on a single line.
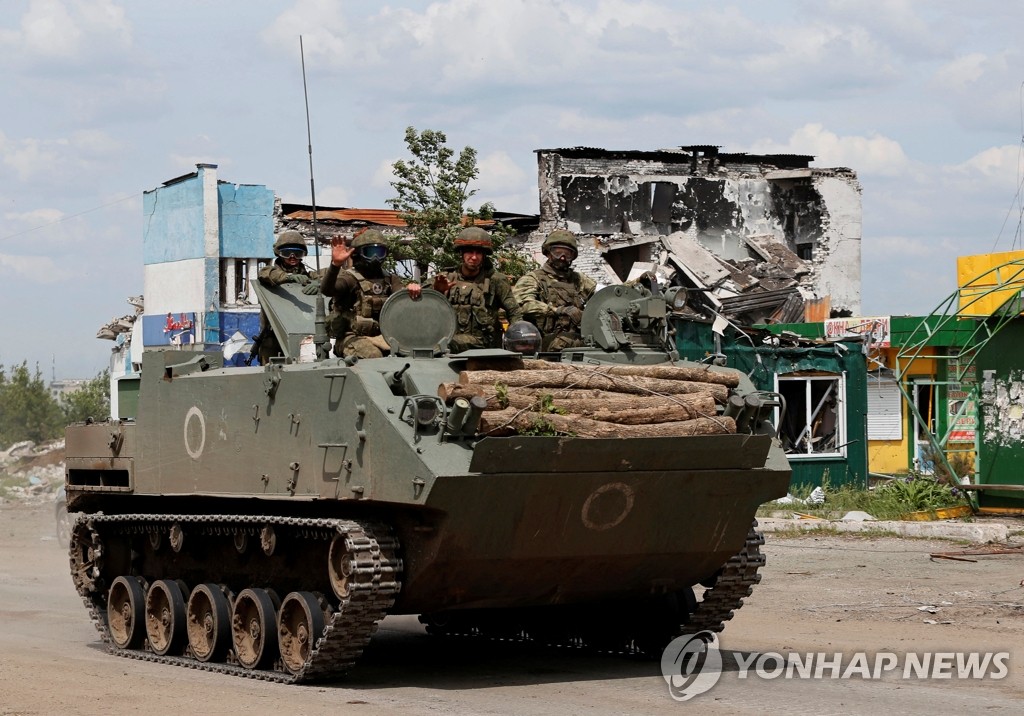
{"points": [[818, 595]]}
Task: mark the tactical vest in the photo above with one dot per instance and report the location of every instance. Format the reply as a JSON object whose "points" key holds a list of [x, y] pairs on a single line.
{"points": [[471, 301], [557, 293], [361, 317]]}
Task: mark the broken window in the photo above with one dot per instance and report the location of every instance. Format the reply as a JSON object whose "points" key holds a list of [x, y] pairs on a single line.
{"points": [[813, 424], [924, 425], [235, 274]]}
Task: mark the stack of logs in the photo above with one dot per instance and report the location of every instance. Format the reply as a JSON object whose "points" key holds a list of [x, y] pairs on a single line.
{"points": [[597, 401]]}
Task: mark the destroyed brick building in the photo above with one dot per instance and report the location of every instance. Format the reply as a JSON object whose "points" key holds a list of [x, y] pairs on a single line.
{"points": [[755, 238]]}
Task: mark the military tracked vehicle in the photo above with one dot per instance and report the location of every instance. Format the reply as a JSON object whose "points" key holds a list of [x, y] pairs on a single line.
{"points": [[261, 521]]}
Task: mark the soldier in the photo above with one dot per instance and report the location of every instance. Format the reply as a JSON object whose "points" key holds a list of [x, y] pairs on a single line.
{"points": [[552, 297], [477, 292], [288, 267], [359, 293]]}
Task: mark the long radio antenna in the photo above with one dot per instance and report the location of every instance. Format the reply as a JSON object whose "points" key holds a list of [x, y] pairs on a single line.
{"points": [[320, 339], [309, 147]]}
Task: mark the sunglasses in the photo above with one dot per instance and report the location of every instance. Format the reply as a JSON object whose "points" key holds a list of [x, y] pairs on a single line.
{"points": [[292, 253]]}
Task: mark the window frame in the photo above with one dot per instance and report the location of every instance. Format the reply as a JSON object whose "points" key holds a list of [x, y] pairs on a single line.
{"points": [[841, 433]]}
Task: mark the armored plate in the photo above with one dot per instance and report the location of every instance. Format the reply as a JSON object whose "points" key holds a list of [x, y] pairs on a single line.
{"points": [[291, 314], [417, 327], [601, 323]]}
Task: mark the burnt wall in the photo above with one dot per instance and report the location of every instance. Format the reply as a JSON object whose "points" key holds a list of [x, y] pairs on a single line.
{"points": [[608, 204]]}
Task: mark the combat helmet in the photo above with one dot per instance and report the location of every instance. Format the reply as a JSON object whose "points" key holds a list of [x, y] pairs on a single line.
{"points": [[560, 237], [474, 237], [289, 239], [370, 245], [522, 337]]}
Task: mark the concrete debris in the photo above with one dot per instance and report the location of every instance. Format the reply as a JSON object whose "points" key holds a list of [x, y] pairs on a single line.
{"points": [[762, 286], [857, 516], [117, 326], [974, 532], [32, 473]]}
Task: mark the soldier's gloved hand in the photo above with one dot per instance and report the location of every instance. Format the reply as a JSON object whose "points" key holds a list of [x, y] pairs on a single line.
{"points": [[312, 287], [571, 312], [300, 278]]}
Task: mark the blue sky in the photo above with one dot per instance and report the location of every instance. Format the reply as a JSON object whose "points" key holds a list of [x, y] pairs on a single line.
{"points": [[105, 99]]}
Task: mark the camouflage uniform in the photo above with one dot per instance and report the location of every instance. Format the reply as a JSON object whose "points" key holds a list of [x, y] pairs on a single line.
{"points": [[358, 295], [553, 299], [477, 302]]}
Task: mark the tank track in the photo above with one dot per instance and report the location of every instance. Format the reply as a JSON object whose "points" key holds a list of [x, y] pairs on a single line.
{"points": [[349, 623], [733, 583]]}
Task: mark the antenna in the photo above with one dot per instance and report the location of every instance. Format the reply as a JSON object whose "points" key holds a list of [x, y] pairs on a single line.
{"points": [[320, 338]]}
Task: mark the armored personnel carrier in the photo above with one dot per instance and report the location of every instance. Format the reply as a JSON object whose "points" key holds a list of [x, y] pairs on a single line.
{"points": [[262, 521]]}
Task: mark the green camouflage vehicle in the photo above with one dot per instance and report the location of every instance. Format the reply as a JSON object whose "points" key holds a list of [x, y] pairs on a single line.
{"points": [[262, 521]]}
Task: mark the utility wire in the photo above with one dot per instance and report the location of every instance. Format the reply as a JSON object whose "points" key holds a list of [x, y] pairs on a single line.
{"points": [[66, 218]]}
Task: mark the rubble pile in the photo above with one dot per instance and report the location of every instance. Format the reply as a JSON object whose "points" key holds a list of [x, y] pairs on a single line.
{"points": [[764, 288], [31, 473], [116, 326]]}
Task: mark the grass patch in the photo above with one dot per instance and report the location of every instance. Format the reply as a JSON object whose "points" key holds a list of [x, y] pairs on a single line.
{"points": [[889, 501]]}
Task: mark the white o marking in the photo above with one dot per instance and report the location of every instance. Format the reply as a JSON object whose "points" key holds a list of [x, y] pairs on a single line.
{"points": [[196, 413], [601, 522]]}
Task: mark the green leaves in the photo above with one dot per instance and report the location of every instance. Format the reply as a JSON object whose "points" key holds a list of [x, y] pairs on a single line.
{"points": [[92, 400], [920, 492], [433, 196], [29, 412]]}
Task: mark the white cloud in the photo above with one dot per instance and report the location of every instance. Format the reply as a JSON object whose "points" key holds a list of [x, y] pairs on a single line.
{"points": [[961, 73], [867, 155], [41, 269], [999, 165], [95, 143], [31, 158], [500, 173], [67, 30], [36, 217], [383, 175], [48, 30], [902, 247]]}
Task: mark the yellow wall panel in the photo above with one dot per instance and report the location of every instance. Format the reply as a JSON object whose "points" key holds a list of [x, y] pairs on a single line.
{"points": [[976, 277]]}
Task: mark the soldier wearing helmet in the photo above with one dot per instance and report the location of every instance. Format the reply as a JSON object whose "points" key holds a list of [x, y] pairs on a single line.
{"points": [[287, 267], [477, 292], [553, 296], [358, 293]]}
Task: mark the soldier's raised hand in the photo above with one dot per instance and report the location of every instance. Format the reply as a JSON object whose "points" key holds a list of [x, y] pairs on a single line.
{"points": [[340, 250]]}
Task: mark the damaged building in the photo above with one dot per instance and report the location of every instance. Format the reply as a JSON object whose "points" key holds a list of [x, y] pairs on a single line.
{"points": [[754, 238]]}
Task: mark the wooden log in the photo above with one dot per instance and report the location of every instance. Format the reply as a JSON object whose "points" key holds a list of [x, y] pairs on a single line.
{"points": [[633, 384], [580, 401], [609, 407], [700, 374], [647, 416], [501, 422]]}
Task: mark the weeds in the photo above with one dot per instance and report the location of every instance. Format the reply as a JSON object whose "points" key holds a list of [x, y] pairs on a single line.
{"points": [[890, 501]]}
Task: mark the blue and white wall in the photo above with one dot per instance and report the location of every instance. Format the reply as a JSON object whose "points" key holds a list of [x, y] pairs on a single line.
{"points": [[195, 228]]}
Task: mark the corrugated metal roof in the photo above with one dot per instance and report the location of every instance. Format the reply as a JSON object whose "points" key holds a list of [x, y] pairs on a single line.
{"points": [[380, 217]]}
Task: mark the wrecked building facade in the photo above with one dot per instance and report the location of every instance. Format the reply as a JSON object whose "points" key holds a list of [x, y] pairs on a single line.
{"points": [[757, 238]]}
